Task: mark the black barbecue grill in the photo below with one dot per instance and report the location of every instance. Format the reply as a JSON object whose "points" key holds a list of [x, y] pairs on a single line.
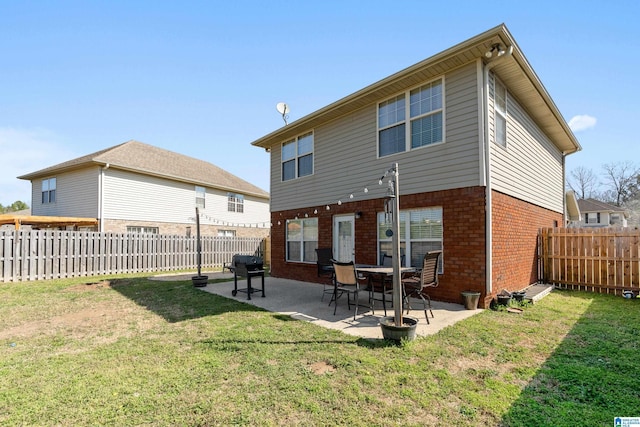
{"points": [[246, 266]]}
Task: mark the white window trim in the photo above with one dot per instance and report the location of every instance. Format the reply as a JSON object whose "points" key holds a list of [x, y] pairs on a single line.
{"points": [[141, 229], [497, 112], [301, 241], [408, 119], [406, 233], [297, 157], [237, 201], [201, 194], [49, 190]]}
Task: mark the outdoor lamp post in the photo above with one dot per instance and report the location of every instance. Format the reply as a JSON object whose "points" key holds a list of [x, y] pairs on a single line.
{"points": [[395, 242]]}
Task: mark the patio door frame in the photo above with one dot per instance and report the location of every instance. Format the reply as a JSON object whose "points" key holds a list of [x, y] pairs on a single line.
{"points": [[341, 245]]}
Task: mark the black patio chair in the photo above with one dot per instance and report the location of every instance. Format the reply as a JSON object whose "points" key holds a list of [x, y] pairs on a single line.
{"points": [[324, 256]]}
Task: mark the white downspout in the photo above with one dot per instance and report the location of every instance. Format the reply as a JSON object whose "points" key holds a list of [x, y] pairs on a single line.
{"points": [[487, 170], [101, 197]]}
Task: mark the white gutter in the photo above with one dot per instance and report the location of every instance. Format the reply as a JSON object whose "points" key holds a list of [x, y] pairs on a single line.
{"points": [[487, 169]]}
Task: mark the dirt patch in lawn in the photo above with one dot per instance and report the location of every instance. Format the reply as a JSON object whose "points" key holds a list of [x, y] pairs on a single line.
{"points": [[320, 368], [106, 317]]}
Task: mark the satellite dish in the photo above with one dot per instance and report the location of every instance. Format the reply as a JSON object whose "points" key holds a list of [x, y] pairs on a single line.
{"points": [[283, 109]]}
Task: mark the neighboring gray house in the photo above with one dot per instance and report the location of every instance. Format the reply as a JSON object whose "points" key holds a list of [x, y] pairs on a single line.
{"points": [[481, 150], [136, 187], [600, 214]]}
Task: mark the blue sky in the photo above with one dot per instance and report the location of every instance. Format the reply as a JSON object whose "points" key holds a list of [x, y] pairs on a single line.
{"points": [[202, 78]]}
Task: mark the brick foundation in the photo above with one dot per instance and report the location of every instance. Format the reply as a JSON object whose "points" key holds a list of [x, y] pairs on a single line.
{"points": [[463, 217], [176, 229], [515, 228]]}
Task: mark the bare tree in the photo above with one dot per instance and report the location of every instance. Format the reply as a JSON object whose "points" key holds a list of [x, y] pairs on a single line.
{"points": [[583, 182], [621, 179]]}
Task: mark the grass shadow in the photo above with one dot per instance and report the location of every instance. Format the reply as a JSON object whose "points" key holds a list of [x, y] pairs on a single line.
{"points": [[591, 377], [177, 301]]}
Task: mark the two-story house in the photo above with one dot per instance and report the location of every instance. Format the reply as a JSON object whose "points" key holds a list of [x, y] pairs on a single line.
{"points": [[136, 187], [481, 151]]}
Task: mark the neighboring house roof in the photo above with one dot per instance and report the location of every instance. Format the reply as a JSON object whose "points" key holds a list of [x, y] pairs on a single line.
{"points": [[592, 205], [146, 159], [513, 70]]}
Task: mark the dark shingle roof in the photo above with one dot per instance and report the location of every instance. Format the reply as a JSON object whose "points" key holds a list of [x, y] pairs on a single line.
{"points": [[592, 205], [149, 160]]}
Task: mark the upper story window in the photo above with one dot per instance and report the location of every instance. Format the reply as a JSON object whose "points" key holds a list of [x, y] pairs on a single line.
{"points": [[235, 202], [425, 125], [297, 157], [201, 194], [48, 190], [500, 107]]}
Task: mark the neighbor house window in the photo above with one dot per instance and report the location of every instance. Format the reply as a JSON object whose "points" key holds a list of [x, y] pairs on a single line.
{"points": [[227, 233], [592, 218], [302, 239], [48, 190], [420, 232], [500, 106], [235, 202], [201, 194], [297, 157], [138, 229], [424, 126]]}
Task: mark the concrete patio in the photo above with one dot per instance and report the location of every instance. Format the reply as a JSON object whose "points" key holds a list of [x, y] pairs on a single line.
{"points": [[301, 300]]}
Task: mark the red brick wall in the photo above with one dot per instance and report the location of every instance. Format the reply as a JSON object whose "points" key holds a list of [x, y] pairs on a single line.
{"points": [[515, 226], [515, 230], [464, 244]]}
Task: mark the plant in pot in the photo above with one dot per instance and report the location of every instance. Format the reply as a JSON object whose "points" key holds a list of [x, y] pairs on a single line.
{"points": [[397, 327]]}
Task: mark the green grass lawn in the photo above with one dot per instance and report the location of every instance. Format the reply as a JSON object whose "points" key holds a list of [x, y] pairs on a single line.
{"points": [[130, 351]]}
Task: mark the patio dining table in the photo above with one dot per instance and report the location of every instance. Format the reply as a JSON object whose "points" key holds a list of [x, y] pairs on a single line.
{"points": [[380, 274]]}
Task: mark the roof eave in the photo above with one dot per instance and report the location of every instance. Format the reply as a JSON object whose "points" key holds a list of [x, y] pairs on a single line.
{"points": [[468, 51]]}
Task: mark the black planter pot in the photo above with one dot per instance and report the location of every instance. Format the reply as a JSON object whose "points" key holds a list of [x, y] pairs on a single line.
{"points": [[200, 281], [397, 333], [504, 299], [518, 296]]}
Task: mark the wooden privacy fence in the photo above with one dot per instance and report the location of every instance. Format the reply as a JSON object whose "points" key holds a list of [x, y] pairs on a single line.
{"points": [[52, 254], [594, 259]]}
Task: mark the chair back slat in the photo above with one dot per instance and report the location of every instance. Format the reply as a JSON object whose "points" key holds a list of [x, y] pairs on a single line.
{"points": [[429, 275]]}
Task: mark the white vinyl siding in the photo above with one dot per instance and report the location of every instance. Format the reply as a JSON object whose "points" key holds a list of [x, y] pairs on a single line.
{"points": [[346, 158], [130, 196], [531, 168], [76, 194]]}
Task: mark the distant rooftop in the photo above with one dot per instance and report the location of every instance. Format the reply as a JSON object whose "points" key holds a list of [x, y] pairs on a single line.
{"points": [[146, 159]]}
